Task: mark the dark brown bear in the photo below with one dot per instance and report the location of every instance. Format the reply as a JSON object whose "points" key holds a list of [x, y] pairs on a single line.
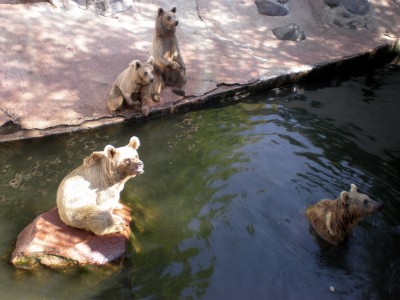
{"points": [[169, 67], [334, 220]]}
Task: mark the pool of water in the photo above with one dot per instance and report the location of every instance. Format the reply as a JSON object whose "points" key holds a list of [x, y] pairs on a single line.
{"points": [[219, 211]]}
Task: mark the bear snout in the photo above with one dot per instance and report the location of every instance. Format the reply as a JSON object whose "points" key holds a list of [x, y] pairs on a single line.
{"points": [[375, 207], [176, 23], [138, 167], [152, 80]]}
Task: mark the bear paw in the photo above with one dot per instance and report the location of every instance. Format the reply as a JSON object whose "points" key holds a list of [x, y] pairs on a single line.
{"points": [[156, 98], [115, 229], [134, 103], [145, 111], [174, 65]]}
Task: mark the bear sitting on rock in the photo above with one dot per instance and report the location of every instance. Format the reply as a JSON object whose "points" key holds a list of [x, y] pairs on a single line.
{"points": [[169, 67], [334, 220], [134, 85], [87, 196]]}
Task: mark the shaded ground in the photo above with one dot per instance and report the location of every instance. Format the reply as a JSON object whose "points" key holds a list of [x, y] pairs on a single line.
{"points": [[57, 65]]}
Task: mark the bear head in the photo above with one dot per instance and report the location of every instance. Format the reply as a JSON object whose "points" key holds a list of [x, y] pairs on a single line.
{"points": [[359, 204], [124, 162], [143, 73], [166, 20]]}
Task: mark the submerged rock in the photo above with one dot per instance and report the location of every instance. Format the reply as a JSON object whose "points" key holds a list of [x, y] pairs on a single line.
{"points": [[270, 8], [291, 32], [47, 241]]}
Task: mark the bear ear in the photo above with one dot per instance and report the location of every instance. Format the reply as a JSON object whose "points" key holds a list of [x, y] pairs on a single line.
{"points": [[344, 196], [353, 188], [150, 61], [110, 151], [160, 11], [135, 63], [134, 142], [173, 9]]}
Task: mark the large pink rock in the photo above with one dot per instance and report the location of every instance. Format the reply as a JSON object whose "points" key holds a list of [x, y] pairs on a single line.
{"points": [[48, 241]]}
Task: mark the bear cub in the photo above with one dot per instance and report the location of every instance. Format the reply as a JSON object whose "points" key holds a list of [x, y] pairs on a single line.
{"points": [[169, 67], [134, 85], [334, 220], [87, 196]]}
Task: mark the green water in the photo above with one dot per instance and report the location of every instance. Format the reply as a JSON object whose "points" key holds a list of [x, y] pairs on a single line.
{"points": [[218, 213]]}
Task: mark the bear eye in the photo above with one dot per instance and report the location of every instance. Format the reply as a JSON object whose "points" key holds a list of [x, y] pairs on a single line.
{"points": [[365, 201], [127, 161], [169, 18], [145, 73]]}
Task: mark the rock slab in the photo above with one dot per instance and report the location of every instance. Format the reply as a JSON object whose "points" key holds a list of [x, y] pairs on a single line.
{"points": [[47, 241]]}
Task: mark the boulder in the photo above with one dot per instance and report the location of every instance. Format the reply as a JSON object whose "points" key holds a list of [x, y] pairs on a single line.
{"points": [[332, 3], [47, 241], [357, 7], [291, 32], [271, 8]]}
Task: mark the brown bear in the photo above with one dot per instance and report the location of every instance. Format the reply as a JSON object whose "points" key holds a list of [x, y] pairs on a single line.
{"points": [[134, 85], [87, 196], [169, 67], [334, 220]]}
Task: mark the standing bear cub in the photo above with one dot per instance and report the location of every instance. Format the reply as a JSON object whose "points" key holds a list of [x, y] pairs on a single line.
{"points": [[334, 220], [169, 67], [87, 196], [134, 85]]}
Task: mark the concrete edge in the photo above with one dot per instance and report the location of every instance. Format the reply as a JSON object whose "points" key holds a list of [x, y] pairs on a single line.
{"points": [[224, 93]]}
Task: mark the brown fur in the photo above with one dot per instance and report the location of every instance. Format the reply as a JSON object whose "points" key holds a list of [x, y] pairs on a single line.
{"points": [[134, 85], [334, 220], [87, 196], [169, 67]]}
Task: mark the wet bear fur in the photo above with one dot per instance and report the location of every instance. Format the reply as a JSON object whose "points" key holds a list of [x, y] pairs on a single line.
{"points": [[334, 220]]}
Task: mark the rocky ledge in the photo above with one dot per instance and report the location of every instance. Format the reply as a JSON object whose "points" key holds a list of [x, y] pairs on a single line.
{"points": [[47, 241]]}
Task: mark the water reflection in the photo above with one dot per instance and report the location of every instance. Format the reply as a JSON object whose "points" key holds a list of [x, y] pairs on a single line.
{"points": [[219, 211]]}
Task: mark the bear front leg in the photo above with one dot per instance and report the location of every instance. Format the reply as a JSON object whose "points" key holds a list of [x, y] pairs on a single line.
{"points": [[128, 99], [174, 65], [179, 60], [135, 97], [157, 86]]}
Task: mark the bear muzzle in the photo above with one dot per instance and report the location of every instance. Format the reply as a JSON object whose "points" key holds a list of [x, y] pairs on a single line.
{"points": [[138, 167], [375, 207], [379, 206]]}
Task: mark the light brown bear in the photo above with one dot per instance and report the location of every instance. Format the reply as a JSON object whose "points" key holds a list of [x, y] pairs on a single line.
{"points": [[169, 67], [334, 220], [87, 196], [134, 85]]}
